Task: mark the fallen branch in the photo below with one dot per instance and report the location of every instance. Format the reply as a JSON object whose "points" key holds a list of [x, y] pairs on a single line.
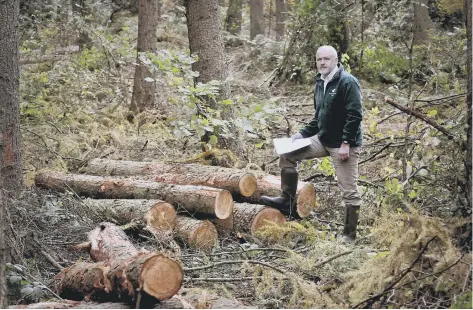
{"points": [[235, 262], [420, 116], [238, 252], [374, 155], [442, 98], [222, 279], [328, 260]]}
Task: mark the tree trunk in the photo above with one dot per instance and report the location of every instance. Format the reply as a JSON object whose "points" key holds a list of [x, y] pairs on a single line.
{"points": [[155, 215], [82, 10], [234, 16], [198, 199], [206, 41], [10, 161], [196, 233], [233, 180], [250, 218], [281, 12], [421, 21], [256, 18], [3, 254], [468, 163], [131, 269], [270, 185], [144, 92]]}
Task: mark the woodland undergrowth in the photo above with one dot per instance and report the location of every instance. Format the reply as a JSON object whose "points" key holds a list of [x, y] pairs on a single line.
{"points": [[410, 251]]}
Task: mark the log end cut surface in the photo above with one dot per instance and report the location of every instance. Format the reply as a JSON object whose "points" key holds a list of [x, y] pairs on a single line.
{"points": [[247, 184], [162, 216], [306, 200], [161, 277], [267, 215], [204, 236], [223, 204]]}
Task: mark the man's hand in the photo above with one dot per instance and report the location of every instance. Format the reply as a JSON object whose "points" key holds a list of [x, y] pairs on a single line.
{"points": [[344, 151], [296, 136]]}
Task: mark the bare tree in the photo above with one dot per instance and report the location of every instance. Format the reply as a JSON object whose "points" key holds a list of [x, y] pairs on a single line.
{"points": [[144, 90], [281, 13], [10, 160], [256, 18], [234, 16]]}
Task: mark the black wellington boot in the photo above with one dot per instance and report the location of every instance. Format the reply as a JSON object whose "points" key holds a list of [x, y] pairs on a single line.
{"points": [[286, 203], [351, 222]]}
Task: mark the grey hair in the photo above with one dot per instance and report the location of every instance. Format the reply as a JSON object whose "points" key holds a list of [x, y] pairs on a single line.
{"points": [[330, 48]]}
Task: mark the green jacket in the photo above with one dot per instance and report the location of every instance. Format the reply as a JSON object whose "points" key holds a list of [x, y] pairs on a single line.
{"points": [[338, 112]]}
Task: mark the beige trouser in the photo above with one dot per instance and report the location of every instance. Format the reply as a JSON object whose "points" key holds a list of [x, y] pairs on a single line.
{"points": [[346, 170]]}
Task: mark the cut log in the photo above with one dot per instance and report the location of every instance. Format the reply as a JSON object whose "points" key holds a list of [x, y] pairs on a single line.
{"points": [[233, 180], [82, 280], [195, 199], [224, 226], [154, 214], [196, 233], [173, 303], [270, 185], [152, 274], [249, 217]]}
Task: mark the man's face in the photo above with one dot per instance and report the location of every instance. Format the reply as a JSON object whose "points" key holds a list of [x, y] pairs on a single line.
{"points": [[326, 61]]}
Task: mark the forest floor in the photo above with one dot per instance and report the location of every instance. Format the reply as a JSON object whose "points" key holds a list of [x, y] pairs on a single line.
{"points": [[44, 224]]}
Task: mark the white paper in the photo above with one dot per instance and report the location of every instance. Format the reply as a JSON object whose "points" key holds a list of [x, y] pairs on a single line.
{"points": [[285, 145]]}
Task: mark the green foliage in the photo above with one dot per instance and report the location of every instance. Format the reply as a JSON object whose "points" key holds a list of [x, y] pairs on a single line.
{"points": [[463, 301], [380, 59]]}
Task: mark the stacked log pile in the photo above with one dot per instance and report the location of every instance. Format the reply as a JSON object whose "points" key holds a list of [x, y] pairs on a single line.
{"points": [[150, 193], [192, 203]]}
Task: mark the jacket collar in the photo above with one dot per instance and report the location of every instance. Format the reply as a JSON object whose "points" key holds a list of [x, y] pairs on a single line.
{"points": [[318, 77]]}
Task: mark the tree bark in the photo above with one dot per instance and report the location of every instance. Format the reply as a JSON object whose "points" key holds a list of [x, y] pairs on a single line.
{"points": [[81, 9], [155, 215], [10, 160], [206, 41], [3, 254], [144, 92], [270, 185], [196, 233], [234, 16], [250, 218], [198, 199], [131, 269], [83, 280], [173, 303], [233, 180], [224, 226], [281, 12], [468, 161], [256, 18]]}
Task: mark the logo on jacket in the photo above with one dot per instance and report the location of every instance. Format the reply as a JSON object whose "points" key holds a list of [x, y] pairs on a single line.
{"points": [[333, 92]]}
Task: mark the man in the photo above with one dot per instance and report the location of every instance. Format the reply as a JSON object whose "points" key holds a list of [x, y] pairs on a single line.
{"points": [[335, 131]]}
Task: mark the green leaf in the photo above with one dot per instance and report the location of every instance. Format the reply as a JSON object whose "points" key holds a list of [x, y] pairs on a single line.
{"points": [[259, 145], [227, 101], [432, 113], [412, 194], [213, 140]]}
